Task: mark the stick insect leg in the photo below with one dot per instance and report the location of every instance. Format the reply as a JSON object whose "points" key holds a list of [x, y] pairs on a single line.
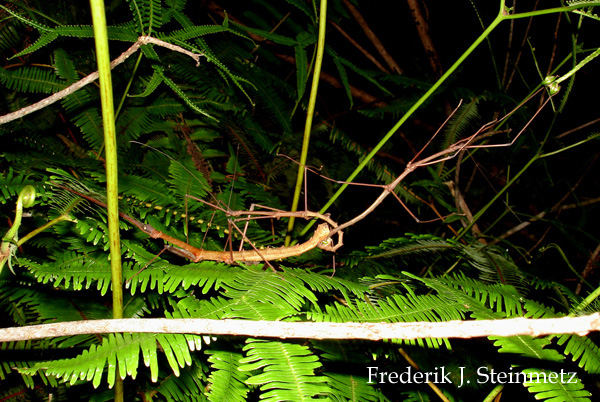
{"points": [[253, 246], [245, 227], [413, 215]]}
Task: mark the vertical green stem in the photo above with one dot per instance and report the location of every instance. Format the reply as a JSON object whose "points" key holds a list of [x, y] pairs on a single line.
{"points": [[309, 113], [108, 119]]}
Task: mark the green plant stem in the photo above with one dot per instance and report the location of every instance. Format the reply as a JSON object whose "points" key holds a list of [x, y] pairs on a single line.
{"points": [[587, 301], [112, 201], [494, 393], [309, 114], [122, 101], [550, 11], [37, 231]]}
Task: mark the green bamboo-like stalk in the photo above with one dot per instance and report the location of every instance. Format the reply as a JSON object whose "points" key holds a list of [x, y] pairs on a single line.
{"points": [[309, 114], [112, 201], [503, 15]]}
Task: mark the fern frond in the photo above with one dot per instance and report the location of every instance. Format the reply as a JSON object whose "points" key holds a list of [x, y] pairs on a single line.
{"points": [[45, 39], [190, 385], [12, 183], [150, 85], [72, 270], [544, 385], [464, 119], [185, 179], [193, 32], [37, 25], [323, 283], [288, 370], [150, 272], [496, 296], [227, 383], [122, 351], [416, 244], [8, 367], [383, 172], [89, 122], [523, 345], [583, 350], [31, 80], [348, 387], [397, 308], [184, 97]]}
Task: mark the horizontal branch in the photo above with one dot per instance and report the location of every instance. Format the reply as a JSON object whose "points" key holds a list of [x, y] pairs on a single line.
{"points": [[312, 330]]}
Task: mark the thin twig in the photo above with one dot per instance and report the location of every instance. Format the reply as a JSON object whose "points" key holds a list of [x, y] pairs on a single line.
{"points": [[582, 326], [372, 37], [142, 40], [361, 49], [520, 53]]}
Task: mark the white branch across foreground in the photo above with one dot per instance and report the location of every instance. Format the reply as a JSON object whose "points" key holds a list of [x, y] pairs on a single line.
{"points": [[312, 330]]}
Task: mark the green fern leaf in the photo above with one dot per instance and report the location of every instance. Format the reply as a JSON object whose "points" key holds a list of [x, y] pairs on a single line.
{"points": [[32, 23], [301, 71], [545, 388], [347, 387], [464, 119], [31, 80], [344, 78], [227, 382], [523, 345], [89, 122], [75, 31], [12, 183], [288, 370], [120, 350], [188, 386], [179, 92], [150, 85], [64, 66], [583, 351], [193, 32], [279, 39], [185, 179], [72, 270], [45, 39]]}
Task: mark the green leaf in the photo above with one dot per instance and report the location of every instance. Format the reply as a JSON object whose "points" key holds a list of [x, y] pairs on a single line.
{"points": [[554, 386], [287, 370], [227, 381]]}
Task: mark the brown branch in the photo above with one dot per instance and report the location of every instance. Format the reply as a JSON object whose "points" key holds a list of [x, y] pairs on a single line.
{"points": [[361, 49], [334, 82], [372, 37], [423, 30], [142, 40], [312, 330]]}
